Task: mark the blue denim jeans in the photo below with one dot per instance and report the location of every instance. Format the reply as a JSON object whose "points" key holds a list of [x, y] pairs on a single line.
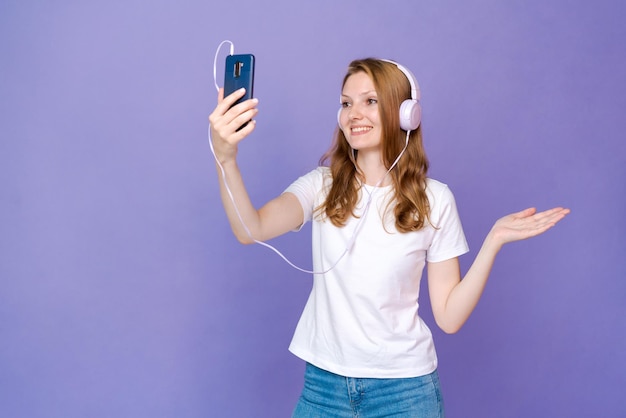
{"points": [[326, 394]]}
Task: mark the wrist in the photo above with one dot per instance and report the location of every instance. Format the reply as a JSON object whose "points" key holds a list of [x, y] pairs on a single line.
{"points": [[492, 242], [227, 164]]}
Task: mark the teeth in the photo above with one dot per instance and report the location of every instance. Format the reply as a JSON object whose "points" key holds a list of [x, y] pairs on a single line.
{"points": [[361, 129]]}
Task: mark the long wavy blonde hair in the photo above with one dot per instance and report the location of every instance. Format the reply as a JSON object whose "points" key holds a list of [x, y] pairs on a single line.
{"points": [[410, 204]]}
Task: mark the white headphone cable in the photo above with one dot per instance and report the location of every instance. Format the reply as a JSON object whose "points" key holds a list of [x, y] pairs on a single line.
{"points": [[219, 47], [232, 198]]}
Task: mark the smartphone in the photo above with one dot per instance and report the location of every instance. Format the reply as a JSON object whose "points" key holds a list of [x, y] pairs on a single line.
{"points": [[239, 72]]}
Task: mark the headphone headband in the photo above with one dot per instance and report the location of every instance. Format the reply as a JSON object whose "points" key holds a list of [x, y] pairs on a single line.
{"points": [[415, 88]]}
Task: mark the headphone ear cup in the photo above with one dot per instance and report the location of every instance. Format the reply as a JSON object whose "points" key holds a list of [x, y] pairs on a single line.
{"points": [[339, 117], [410, 115]]}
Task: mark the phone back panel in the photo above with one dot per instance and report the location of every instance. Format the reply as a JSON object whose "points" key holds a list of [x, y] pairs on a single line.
{"points": [[239, 72]]}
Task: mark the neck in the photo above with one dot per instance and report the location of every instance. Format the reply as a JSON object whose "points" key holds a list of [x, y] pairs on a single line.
{"points": [[373, 169], [371, 165]]}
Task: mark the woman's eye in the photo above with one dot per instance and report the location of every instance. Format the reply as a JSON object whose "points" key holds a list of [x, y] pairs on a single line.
{"points": [[345, 104], [372, 101]]}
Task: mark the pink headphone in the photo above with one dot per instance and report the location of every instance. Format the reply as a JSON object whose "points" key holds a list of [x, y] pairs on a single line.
{"points": [[410, 109]]}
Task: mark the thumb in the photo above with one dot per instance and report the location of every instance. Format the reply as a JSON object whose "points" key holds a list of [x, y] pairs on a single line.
{"points": [[525, 213]]}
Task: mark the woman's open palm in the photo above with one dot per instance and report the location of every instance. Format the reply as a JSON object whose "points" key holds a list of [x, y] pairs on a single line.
{"points": [[526, 224]]}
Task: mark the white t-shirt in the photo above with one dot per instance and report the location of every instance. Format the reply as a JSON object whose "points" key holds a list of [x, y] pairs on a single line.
{"points": [[361, 317]]}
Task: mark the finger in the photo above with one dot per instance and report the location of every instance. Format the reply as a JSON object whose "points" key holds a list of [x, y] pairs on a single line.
{"points": [[522, 214], [527, 212], [242, 118], [220, 109], [227, 126], [558, 215], [246, 130], [239, 135], [553, 210], [233, 97], [225, 103], [549, 218], [554, 213], [225, 113], [245, 106]]}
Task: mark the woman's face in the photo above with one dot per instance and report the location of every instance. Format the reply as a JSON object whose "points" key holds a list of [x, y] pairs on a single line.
{"points": [[359, 118]]}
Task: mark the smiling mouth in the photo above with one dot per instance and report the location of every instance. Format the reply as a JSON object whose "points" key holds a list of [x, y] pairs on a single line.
{"points": [[360, 129]]}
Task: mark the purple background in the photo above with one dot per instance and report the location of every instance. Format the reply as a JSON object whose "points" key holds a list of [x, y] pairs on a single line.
{"points": [[122, 290]]}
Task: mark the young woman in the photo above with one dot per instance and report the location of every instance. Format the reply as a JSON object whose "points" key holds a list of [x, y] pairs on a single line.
{"points": [[374, 210]]}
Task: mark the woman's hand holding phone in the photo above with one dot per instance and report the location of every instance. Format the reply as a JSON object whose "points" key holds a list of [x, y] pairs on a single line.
{"points": [[227, 120]]}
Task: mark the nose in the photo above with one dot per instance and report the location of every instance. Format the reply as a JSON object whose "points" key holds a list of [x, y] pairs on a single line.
{"points": [[354, 112]]}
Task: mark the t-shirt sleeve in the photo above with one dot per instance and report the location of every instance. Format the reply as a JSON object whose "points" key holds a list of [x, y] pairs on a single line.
{"points": [[307, 189], [449, 239]]}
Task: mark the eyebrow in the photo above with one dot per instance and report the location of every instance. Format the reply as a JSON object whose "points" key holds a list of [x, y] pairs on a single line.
{"points": [[366, 93]]}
